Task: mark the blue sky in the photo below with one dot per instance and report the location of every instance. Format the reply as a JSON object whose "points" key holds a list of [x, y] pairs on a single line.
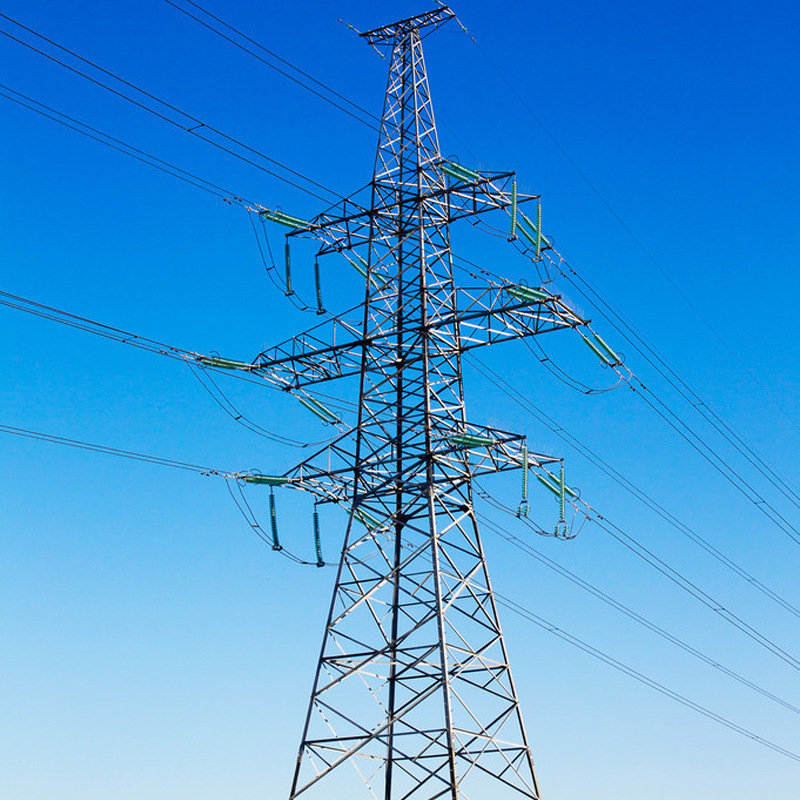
{"points": [[152, 645]]}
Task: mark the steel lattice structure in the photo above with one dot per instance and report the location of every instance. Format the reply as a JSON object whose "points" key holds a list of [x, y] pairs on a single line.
{"points": [[413, 695]]}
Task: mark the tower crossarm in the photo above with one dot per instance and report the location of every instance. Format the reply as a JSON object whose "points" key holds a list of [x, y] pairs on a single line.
{"points": [[422, 24], [486, 315], [489, 450], [328, 473], [328, 351], [470, 193], [506, 312], [471, 451], [349, 225], [342, 227]]}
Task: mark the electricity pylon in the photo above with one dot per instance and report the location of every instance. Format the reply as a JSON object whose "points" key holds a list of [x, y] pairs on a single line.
{"points": [[413, 695]]}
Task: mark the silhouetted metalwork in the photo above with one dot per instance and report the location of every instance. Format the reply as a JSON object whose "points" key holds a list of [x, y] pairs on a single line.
{"points": [[413, 695]]}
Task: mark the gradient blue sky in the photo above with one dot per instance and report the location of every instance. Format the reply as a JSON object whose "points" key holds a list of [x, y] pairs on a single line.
{"points": [[151, 645]]}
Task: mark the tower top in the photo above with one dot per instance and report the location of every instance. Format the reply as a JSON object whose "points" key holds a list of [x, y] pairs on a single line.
{"points": [[423, 23]]}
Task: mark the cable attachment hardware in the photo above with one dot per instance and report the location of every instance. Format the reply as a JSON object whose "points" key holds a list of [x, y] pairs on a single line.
{"points": [[539, 229], [531, 231], [557, 486], [366, 519], [601, 349], [222, 363], [288, 259], [522, 511], [317, 542], [318, 285], [362, 268], [513, 210], [527, 293], [470, 440], [273, 521], [265, 480], [319, 410], [284, 219], [459, 173], [561, 530]]}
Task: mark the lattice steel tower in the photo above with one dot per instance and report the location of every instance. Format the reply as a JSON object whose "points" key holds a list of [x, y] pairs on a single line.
{"points": [[413, 695]]}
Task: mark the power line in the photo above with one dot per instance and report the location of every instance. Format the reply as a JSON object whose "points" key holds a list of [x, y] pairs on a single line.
{"points": [[604, 200], [704, 449], [135, 340], [205, 379], [542, 623], [91, 326], [243, 505], [274, 55], [719, 463], [153, 346], [246, 510], [696, 402], [106, 71], [164, 166], [201, 371], [537, 555], [669, 572], [113, 451], [526, 613], [371, 120], [412, 607], [191, 129], [681, 386], [717, 422], [117, 144], [627, 541], [782, 522], [683, 428], [537, 350], [271, 270], [525, 402]]}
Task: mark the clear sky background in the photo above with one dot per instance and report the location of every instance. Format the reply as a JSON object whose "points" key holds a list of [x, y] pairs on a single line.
{"points": [[151, 645]]}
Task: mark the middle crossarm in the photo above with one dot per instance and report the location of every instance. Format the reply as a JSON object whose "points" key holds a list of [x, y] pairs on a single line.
{"points": [[485, 315]]}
